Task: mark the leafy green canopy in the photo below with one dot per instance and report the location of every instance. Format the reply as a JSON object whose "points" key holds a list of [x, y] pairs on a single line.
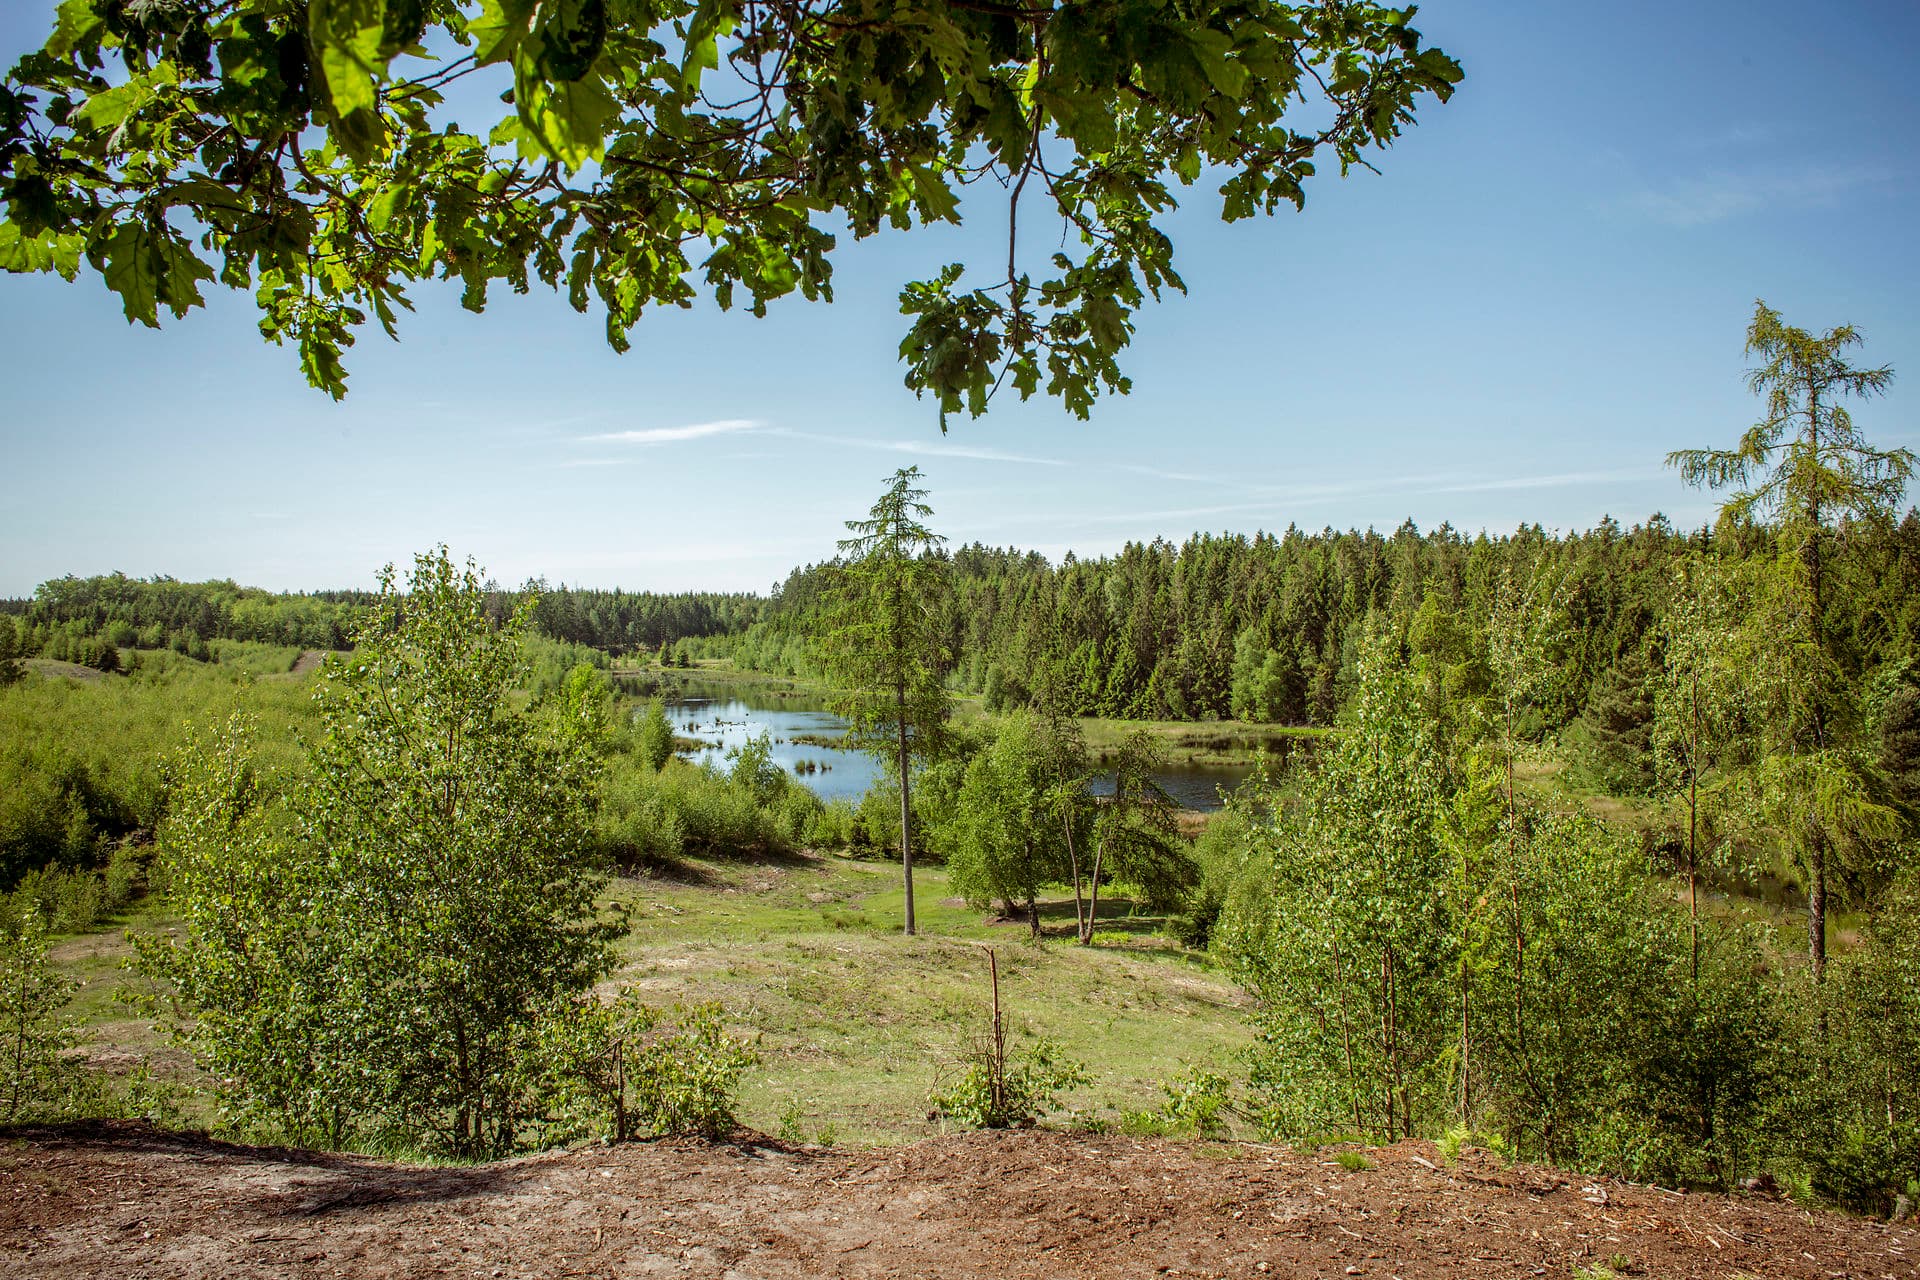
{"points": [[1007, 839], [656, 148], [365, 951]]}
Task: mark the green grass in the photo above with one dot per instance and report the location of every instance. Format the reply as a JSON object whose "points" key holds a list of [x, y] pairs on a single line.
{"points": [[856, 1023], [711, 677], [119, 1039]]}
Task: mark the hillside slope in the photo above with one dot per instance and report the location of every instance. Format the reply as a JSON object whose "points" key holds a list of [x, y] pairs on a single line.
{"points": [[123, 1199]]}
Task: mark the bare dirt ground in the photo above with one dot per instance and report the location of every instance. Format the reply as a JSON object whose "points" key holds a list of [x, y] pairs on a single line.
{"points": [[309, 660], [126, 1200]]}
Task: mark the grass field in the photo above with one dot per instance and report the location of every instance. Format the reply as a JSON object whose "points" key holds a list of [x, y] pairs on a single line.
{"points": [[856, 1024]]}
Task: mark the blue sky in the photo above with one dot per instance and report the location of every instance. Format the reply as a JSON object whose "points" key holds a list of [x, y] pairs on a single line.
{"points": [[1543, 292]]}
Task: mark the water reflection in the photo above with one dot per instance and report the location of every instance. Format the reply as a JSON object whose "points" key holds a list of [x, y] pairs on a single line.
{"points": [[801, 738], [805, 735]]}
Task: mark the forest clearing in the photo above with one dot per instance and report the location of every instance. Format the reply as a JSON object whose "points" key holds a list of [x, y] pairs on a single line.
{"points": [[1396, 755]]}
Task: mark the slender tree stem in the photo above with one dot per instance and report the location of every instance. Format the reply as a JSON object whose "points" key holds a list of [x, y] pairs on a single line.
{"points": [[906, 807]]}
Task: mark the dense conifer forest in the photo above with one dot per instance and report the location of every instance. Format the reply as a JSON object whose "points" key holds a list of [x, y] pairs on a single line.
{"points": [[1267, 627]]}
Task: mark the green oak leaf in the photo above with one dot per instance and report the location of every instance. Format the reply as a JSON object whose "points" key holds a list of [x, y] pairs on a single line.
{"points": [[349, 36], [565, 121], [48, 251]]}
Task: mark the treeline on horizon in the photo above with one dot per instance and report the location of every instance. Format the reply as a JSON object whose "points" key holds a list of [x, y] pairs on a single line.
{"points": [[88, 620], [1263, 628], [1269, 627]]}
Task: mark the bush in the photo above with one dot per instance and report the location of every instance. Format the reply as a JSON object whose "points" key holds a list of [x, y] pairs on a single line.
{"points": [[364, 951], [120, 883], [1220, 854], [655, 736], [82, 765], [987, 1094], [1198, 1101], [648, 816], [37, 1079], [1403, 883], [831, 826], [1846, 1118], [613, 1070], [752, 769], [53, 810]]}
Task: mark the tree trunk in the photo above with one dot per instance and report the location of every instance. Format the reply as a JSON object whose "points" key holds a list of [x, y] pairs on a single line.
{"points": [[1073, 861], [620, 1090], [1816, 628], [463, 1118], [1466, 1046], [1346, 1041], [1391, 1037], [998, 1086], [906, 809], [1693, 834], [1093, 897], [1513, 887], [1817, 908]]}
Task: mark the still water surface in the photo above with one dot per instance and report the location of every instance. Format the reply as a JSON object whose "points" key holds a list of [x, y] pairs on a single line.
{"points": [[801, 729]]}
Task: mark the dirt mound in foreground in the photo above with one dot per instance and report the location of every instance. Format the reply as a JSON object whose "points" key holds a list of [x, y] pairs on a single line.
{"points": [[123, 1199]]}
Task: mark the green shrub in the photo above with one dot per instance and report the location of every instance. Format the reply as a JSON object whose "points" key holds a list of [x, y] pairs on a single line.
{"points": [[1145, 1124], [684, 1077], [614, 1070], [793, 1112], [654, 736], [1024, 1088], [82, 765], [64, 901], [1401, 881], [1220, 854], [363, 950], [649, 816], [1463, 1137], [120, 883], [751, 767], [38, 1081], [1197, 1101]]}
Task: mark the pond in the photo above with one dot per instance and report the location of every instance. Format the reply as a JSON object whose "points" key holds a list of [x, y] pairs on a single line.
{"points": [[804, 734]]}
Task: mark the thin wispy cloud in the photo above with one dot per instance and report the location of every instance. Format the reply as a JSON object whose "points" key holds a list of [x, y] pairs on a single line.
{"points": [[925, 449], [1716, 197], [1564, 480], [1285, 501], [671, 435], [1161, 473], [647, 436], [1730, 138]]}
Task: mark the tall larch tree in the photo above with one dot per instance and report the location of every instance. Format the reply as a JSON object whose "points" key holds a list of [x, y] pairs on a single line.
{"points": [[885, 648], [1805, 467]]}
